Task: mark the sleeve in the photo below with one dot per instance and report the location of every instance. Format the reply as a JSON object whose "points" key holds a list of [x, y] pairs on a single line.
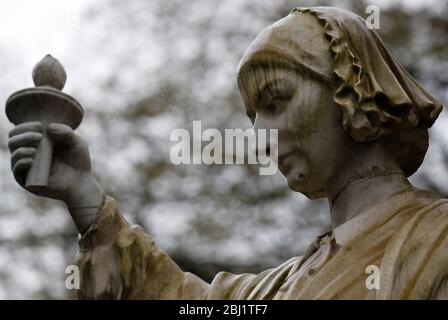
{"points": [[247, 286], [119, 261]]}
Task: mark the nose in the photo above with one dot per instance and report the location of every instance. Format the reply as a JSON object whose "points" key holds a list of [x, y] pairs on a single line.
{"points": [[260, 132], [258, 124]]}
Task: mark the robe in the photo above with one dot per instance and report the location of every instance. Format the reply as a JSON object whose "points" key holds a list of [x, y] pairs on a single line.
{"points": [[404, 237]]}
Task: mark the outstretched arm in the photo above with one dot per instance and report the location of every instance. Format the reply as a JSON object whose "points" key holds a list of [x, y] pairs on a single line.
{"points": [[119, 261], [122, 262], [116, 260]]}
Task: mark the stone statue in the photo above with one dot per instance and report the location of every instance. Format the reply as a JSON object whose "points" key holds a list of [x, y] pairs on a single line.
{"points": [[352, 126]]}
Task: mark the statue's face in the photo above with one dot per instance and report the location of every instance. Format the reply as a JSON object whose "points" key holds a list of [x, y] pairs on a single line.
{"points": [[311, 140], [286, 80]]}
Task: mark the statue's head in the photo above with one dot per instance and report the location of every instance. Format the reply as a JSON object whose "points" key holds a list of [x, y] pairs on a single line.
{"points": [[328, 83]]}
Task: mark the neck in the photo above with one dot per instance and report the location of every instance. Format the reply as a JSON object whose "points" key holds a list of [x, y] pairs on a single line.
{"points": [[369, 178]]}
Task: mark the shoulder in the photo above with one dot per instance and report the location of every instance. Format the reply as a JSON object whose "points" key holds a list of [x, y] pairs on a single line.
{"points": [[426, 230], [416, 258]]}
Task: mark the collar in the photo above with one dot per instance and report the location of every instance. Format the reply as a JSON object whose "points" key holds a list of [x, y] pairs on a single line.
{"points": [[369, 218]]}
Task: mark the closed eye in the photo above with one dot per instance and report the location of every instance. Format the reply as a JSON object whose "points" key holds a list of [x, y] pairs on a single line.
{"points": [[274, 107]]}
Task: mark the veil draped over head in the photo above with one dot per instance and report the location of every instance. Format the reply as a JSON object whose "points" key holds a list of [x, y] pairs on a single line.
{"points": [[378, 97]]}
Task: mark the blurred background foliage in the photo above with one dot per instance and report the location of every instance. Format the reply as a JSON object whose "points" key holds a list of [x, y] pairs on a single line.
{"points": [[143, 68]]}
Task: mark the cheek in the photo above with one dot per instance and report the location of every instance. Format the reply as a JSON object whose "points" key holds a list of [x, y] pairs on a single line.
{"points": [[308, 112], [311, 121]]}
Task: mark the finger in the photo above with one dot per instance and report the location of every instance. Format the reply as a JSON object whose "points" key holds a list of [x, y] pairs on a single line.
{"points": [[26, 127], [20, 170], [28, 139], [61, 133], [22, 153]]}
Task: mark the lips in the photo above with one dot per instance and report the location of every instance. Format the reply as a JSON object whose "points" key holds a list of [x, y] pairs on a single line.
{"points": [[283, 164]]}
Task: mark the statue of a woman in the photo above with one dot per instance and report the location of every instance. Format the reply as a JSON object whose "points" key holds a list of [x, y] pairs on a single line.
{"points": [[352, 125]]}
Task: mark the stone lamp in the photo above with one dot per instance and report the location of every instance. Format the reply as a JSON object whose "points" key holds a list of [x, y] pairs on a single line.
{"points": [[47, 104]]}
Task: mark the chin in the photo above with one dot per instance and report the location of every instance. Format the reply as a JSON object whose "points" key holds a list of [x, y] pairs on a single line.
{"points": [[297, 183], [296, 178]]}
